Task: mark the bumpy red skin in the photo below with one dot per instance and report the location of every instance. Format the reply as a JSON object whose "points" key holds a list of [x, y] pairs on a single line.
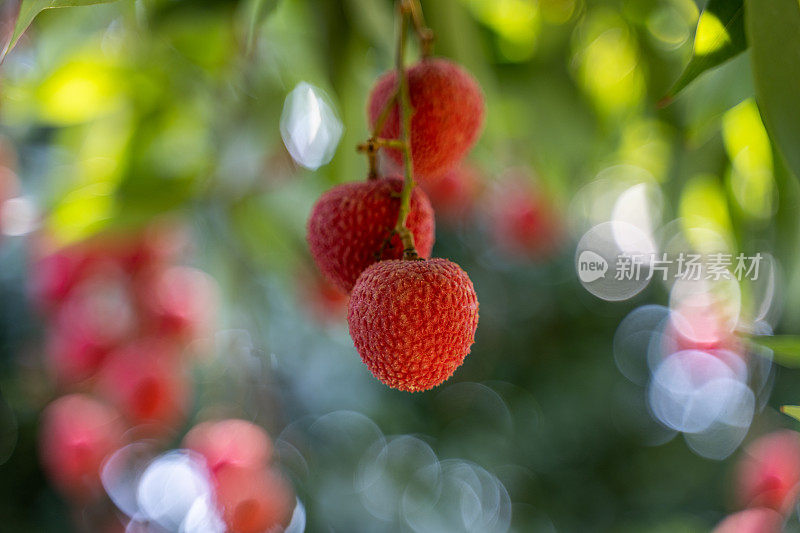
{"points": [[413, 322], [448, 114], [350, 223]]}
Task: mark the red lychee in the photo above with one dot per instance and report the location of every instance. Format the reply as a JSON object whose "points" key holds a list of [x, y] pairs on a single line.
{"points": [[73, 357], [448, 114], [92, 319], [230, 442], [253, 500], [54, 274], [146, 381], [453, 193], [757, 520], [413, 322], [178, 302], [350, 224], [524, 222], [99, 309], [769, 473], [77, 433], [321, 299], [161, 243]]}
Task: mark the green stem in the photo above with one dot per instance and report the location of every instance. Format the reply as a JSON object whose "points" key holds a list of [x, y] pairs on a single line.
{"points": [[375, 142], [407, 238], [424, 33], [408, 11]]}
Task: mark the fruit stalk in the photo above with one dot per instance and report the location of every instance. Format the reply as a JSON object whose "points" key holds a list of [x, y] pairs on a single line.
{"points": [[424, 33], [409, 250], [372, 145]]}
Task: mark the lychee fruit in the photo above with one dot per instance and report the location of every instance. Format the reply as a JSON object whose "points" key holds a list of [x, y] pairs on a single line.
{"points": [[322, 300], [413, 322], [160, 243], [148, 384], [178, 302], [769, 473], [230, 442], [525, 225], [758, 520], [453, 193], [72, 357], [76, 434], [54, 274], [253, 500], [448, 112], [350, 228]]}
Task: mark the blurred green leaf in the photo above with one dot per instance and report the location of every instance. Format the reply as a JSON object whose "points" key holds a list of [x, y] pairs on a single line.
{"points": [[791, 410], [786, 348], [28, 9], [773, 30], [720, 36], [256, 11]]}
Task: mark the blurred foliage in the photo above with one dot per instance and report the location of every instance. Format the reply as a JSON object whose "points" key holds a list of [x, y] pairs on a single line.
{"points": [[719, 37], [126, 111]]}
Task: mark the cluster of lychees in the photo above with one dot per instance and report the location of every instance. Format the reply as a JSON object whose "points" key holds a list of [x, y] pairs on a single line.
{"points": [[121, 315], [412, 318], [124, 319]]}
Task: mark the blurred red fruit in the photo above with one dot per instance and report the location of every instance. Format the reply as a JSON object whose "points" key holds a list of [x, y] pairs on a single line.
{"points": [[453, 193], [413, 322], [146, 381], [323, 300], [179, 302], [95, 317], [525, 223], [72, 357], [769, 472], [696, 332], [448, 114], [350, 225], [159, 244], [57, 270], [751, 521], [55, 274], [99, 309], [253, 501], [701, 321], [230, 442], [76, 434]]}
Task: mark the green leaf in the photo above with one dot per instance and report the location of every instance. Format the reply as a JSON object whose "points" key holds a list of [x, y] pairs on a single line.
{"points": [[719, 37], [791, 410], [28, 9], [786, 348], [773, 29], [255, 12]]}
